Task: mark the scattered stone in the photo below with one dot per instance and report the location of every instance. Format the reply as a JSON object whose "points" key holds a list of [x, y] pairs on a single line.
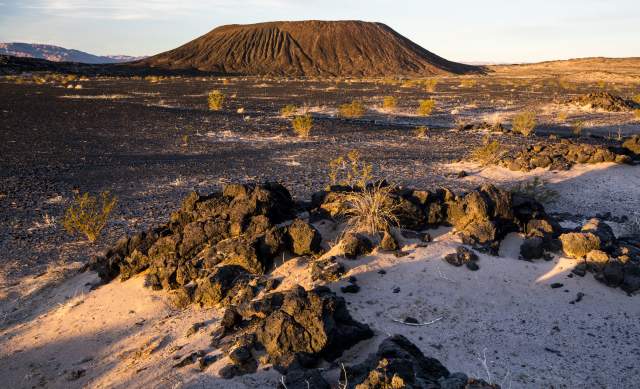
{"points": [[351, 288], [388, 242], [462, 256], [556, 285], [305, 239], [207, 361], [76, 374], [326, 270], [304, 379], [355, 245], [190, 359]]}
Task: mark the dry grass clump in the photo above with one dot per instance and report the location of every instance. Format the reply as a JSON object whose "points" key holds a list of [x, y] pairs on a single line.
{"points": [[215, 100], [288, 110], [355, 109], [468, 83], [577, 127], [302, 125], [370, 211], [562, 116], [636, 113], [430, 85], [636, 98], [350, 171], [489, 153], [422, 132], [88, 215], [389, 103], [525, 123], [426, 107], [538, 190]]}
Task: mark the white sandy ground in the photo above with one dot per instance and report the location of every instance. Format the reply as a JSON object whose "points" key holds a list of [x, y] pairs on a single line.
{"points": [[124, 335]]}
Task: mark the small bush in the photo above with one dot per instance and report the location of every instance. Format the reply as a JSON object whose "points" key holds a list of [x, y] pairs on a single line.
{"points": [[562, 116], [636, 98], [431, 84], [389, 103], [370, 211], [215, 100], [422, 132], [426, 107], [288, 110], [88, 214], [537, 189], [525, 123], [302, 125], [350, 171], [578, 126], [489, 153], [355, 109], [636, 113], [468, 83]]}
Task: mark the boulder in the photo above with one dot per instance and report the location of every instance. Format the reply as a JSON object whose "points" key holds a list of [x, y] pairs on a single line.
{"points": [[579, 244], [532, 248], [632, 144], [354, 245], [603, 231], [388, 242], [305, 238]]}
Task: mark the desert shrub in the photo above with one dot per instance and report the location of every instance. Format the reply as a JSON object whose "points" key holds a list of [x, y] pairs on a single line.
{"points": [[422, 132], [371, 210], [489, 153], [636, 98], [636, 113], [426, 107], [288, 110], [350, 171], [215, 100], [525, 123], [577, 127], [389, 103], [562, 116], [537, 189], [88, 215], [355, 109], [302, 125], [430, 85], [468, 83]]}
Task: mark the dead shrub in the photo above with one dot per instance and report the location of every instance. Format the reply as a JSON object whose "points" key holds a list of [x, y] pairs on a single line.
{"points": [[525, 123], [215, 100], [350, 171], [489, 153], [288, 110], [355, 109], [389, 103], [426, 107], [370, 211], [302, 125]]}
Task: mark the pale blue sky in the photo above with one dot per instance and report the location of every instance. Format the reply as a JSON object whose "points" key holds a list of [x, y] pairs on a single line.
{"points": [[463, 30]]}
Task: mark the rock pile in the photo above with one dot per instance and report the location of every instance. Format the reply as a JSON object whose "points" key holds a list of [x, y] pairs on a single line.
{"points": [[615, 262], [560, 156], [632, 145], [398, 363], [603, 101], [483, 217], [291, 330], [214, 243]]}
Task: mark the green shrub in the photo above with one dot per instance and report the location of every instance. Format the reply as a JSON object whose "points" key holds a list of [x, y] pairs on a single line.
{"points": [[302, 125], [426, 107], [525, 123], [288, 110], [89, 215], [215, 100], [355, 109]]}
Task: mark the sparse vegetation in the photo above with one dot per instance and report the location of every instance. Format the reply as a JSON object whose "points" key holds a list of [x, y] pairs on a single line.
{"points": [[302, 125], [636, 98], [370, 211], [389, 103], [636, 113], [489, 153], [577, 127], [525, 123], [562, 116], [430, 85], [426, 107], [350, 171], [355, 109], [288, 110], [538, 190], [215, 100], [468, 83], [88, 215], [422, 132]]}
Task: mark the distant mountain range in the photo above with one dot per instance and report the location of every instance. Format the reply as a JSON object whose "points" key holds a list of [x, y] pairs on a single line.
{"points": [[60, 54]]}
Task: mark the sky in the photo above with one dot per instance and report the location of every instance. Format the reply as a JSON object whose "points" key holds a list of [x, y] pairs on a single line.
{"points": [[505, 31]]}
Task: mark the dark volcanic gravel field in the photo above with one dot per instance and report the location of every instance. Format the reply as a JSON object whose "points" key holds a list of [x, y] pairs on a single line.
{"points": [[128, 136]]}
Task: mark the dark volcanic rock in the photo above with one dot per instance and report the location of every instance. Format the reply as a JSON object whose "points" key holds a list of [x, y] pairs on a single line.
{"points": [[355, 245], [398, 363], [305, 239], [604, 101]]}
